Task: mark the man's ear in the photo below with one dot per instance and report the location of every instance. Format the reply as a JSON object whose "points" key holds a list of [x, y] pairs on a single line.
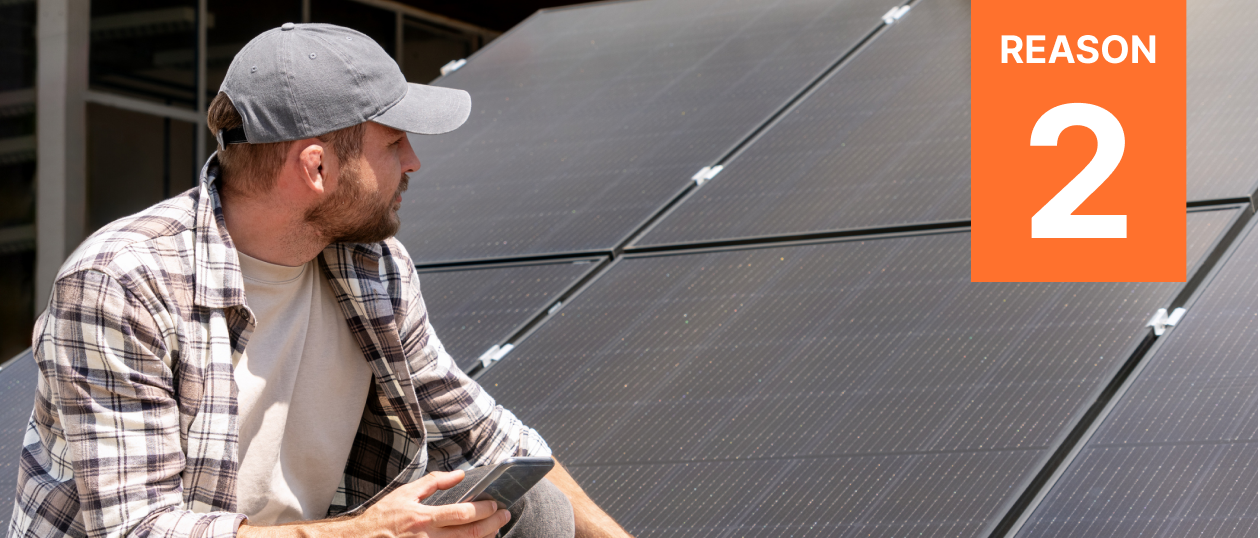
{"points": [[312, 166]]}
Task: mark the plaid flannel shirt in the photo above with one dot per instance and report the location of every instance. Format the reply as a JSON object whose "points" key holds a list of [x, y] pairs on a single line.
{"points": [[134, 430]]}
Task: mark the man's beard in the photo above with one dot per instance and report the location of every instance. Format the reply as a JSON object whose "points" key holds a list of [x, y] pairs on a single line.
{"points": [[351, 214]]}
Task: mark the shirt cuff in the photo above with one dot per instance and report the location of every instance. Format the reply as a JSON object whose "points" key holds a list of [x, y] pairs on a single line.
{"points": [[194, 525]]}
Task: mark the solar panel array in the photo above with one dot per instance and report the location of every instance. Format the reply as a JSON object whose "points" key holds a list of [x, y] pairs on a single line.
{"points": [[746, 383], [873, 146], [1177, 455], [475, 308], [586, 121], [878, 146], [868, 381]]}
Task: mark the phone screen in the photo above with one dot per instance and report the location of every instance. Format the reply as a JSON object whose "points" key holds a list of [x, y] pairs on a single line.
{"points": [[508, 483]]}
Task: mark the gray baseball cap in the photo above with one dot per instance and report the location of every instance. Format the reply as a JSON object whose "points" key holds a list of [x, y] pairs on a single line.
{"points": [[304, 80]]}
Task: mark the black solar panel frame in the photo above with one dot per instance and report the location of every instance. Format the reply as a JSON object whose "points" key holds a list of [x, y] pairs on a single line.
{"points": [[425, 269], [1051, 460], [597, 265], [1205, 271]]}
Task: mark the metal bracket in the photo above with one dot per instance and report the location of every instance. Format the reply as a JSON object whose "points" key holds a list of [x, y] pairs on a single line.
{"points": [[895, 13], [453, 65], [705, 174], [555, 308], [1162, 320], [494, 354]]}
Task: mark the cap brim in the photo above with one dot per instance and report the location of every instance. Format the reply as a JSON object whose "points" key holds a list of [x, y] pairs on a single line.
{"points": [[428, 110]]}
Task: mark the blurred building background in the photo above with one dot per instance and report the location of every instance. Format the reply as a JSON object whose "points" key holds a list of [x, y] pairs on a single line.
{"points": [[102, 106]]}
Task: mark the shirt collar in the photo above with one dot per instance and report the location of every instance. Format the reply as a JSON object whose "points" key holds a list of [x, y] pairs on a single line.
{"points": [[218, 271]]}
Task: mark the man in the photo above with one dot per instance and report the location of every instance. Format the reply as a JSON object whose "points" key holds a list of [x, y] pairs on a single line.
{"points": [[253, 357]]}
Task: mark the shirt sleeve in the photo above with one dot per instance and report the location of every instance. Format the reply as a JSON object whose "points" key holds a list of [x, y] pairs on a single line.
{"points": [[108, 371], [465, 427]]}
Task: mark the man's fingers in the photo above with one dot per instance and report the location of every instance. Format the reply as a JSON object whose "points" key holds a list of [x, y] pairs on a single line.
{"points": [[452, 515], [489, 526], [447, 480], [430, 483]]}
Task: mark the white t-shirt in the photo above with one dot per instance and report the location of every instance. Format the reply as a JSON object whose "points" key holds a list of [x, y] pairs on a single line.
{"points": [[303, 383]]}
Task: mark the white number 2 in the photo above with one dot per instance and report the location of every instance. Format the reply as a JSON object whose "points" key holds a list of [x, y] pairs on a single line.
{"points": [[1055, 219]]}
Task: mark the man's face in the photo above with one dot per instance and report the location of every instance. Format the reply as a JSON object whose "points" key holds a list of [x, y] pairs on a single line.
{"points": [[364, 206]]}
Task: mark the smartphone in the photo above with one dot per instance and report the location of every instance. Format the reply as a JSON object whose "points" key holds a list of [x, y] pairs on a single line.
{"points": [[509, 481]]}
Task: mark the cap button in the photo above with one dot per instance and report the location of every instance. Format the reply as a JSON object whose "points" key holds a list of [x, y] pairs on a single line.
{"points": [[286, 26]]}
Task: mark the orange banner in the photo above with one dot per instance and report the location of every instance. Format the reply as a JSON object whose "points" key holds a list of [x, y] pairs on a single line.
{"points": [[1078, 141]]}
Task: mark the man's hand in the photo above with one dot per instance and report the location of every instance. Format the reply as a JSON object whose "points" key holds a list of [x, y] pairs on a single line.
{"points": [[400, 515]]}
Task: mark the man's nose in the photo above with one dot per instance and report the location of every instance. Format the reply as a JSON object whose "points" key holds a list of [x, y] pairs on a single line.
{"points": [[410, 163]]}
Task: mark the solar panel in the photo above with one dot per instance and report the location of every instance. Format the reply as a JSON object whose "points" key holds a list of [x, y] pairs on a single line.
{"points": [[1220, 99], [884, 141], [867, 383], [1177, 454], [474, 309], [17, 397], [586, 121]]}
